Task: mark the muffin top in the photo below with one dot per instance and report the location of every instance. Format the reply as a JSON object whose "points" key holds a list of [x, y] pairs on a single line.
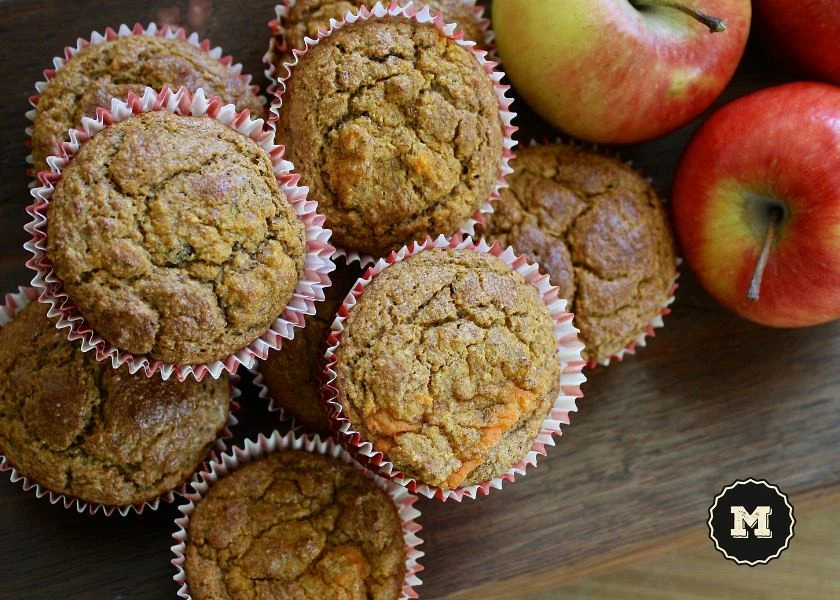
{"points": [[295, 525], [101, 72], [79, 427], [599, 230], [396, 130], [291, 375], [448, 365], [173, 237], [305, 17]]}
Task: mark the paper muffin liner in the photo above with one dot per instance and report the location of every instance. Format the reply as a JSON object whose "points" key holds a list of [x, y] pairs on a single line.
{"points": [[277, 43], [318, 250], [640, 341], [150, 30], [16, 302], [264, 394], [450, 30], [252, 450], [568, 352]]}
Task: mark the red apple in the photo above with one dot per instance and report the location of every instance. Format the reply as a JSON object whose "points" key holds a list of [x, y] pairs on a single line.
{"points": [[764, 171], [620, 71], [804, 33]]}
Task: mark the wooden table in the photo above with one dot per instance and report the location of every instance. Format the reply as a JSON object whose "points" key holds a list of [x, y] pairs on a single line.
{"points": [[713, 398]]}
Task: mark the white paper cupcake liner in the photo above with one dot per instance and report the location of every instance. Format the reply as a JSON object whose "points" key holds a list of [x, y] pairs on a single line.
{"points": [[318, 250], [277, 44], [16, 302], [263, 393], [450, 30], [151, 30], [252, 450], [568, 352]]}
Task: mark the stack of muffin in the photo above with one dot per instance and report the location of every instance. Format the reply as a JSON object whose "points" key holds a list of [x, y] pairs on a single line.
{"points": [[173, 237]]}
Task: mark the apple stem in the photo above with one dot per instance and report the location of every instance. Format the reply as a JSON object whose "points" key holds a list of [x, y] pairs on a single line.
{"points": [[769, 238], [714, 24]]}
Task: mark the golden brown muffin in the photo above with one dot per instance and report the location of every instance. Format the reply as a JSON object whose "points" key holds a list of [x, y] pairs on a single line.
{"points": [[101, 72], [295, 525], [173, 237], [82, 428], [448, 365], [396, 130], [291, 374], [600, 232], [305, 17]]}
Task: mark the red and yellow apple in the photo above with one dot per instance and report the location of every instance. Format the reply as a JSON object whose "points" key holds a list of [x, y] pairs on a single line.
{"points": [[804, 33], [620, 71], [764, 171]]}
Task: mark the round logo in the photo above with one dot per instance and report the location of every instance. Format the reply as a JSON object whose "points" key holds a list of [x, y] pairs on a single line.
{"points": [[751, 522]]}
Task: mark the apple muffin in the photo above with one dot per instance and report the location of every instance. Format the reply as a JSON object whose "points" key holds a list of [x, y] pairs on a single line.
{"points": [[396, 130], [601, 233], [291, 376], [295, 525], [304, 18], [173, 237], [111, 69], [448, 365], [79, 427]]}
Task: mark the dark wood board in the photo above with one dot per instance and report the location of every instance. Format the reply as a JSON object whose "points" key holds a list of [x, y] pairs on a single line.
{"points": [[713, 398]]}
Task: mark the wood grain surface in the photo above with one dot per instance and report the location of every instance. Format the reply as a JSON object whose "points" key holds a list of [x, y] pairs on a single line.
{"points": [[809, 573], [711, 399]]}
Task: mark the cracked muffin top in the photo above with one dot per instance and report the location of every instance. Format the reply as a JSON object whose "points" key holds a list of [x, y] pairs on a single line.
{"points": [[448, 365], [305, 17], [291, 375], [101, 72], [82, 428], [173, 237], [600, 232], [396, 130], [295, 525]]}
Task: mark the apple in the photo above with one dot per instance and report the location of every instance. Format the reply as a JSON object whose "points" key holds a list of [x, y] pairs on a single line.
{"points": [[620, 71], [756, 205], [804, 33]]}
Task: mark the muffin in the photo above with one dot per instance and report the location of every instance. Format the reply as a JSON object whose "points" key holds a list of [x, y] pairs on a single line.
{"points": [[291, 376], [304, 18], [173, 237], [599, 230], [396, 130], [112, 68], [448, 365], [78, 427], [295, 525]]}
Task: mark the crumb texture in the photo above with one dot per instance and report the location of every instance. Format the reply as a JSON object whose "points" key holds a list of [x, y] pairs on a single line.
{"points": [[299, 526], [174, 239], [80, 427], [407, 139], [291, 375], [448, 365], [601, 233], [101, 72], [306, 17]]}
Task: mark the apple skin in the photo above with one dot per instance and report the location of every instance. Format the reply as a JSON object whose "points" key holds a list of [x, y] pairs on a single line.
{"points": [[603, 71], [781, 146], [804, 33]]}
